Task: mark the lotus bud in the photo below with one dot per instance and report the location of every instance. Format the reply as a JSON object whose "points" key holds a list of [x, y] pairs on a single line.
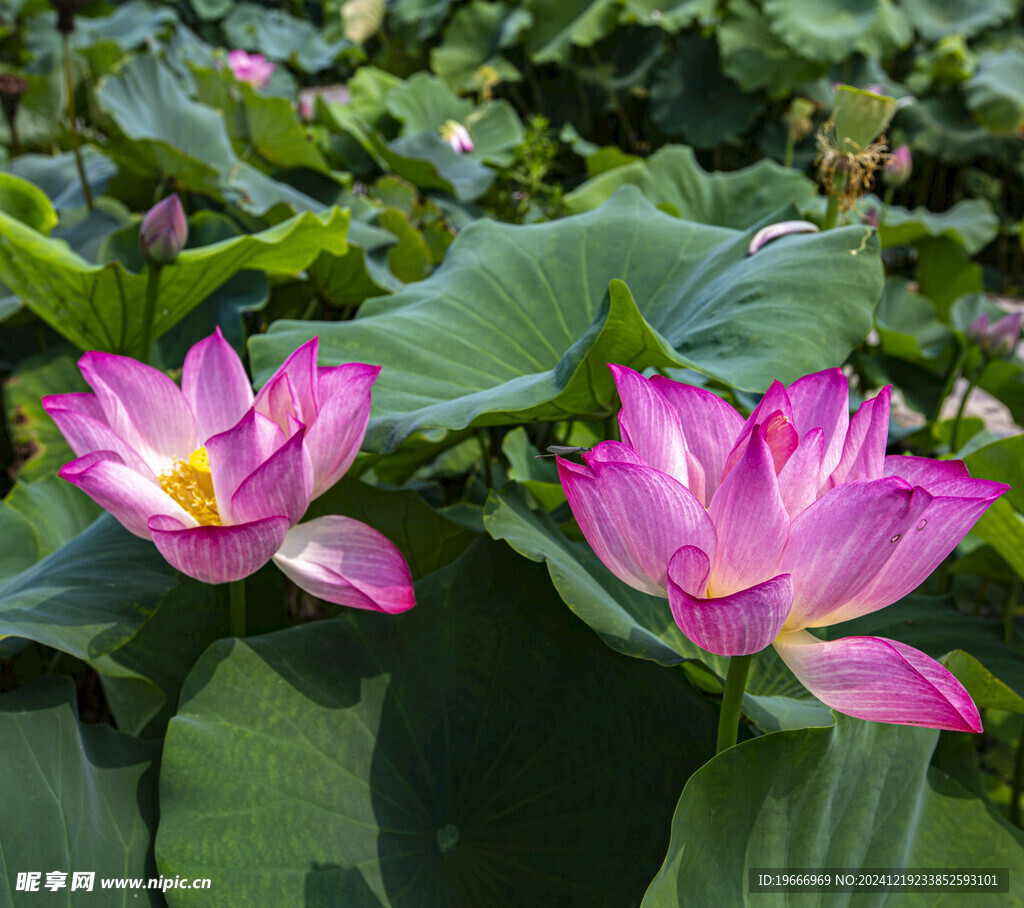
{"points": [[899, 168], [255, 69], [164, 231], [1000, 339], [976, 329], [456, 135]]}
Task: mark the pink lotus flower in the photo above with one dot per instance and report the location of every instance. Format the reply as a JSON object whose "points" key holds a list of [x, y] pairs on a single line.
{"points": [[758, 529], [998, 340], [219, 479], [164, 231], [456, 135], [899, 168], [252, 68]]}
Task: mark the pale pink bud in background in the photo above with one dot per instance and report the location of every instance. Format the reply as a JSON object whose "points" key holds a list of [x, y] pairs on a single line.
{"points": [[1000, 339], [898, 170], [252, 68], [456, 135], [164, 231]]}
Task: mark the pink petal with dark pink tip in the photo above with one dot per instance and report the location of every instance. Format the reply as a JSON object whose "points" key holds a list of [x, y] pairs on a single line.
{"points": [[130, 496], [739, 624], [215, 386], [333, 440], [635, 518], [822, 401], [301, 371], [750, 521], [775, 400], [923, 471], [800, 477], [346, 562], [711, 425], [650, 424], [82, 423], [235, 454], [278, 401], [954, 509], [218, 554], [879, 680], [781, 437], [281, 486], [864, 449], [840, 543], [142, 406]]}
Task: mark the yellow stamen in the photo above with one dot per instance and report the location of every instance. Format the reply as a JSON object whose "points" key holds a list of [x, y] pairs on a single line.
{"points": [[190, 483]]}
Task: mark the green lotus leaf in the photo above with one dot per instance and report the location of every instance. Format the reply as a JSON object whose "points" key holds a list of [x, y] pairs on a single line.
{"points": [[519, 324], [670, 15], [76, 798], [995, 93], [935, 19], [475, 38], [856, 795], [673, 180], [754, 58], [560, 25], [828, 31], [280, 36], [100, 307], [971, 223], [482, 749], [943, 128], [58, 176]]}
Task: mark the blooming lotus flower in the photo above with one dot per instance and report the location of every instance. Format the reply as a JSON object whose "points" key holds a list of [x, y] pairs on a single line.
{"points": [[252, 68], [219, 478], [456, 135], [759, 529], [164, 231]]}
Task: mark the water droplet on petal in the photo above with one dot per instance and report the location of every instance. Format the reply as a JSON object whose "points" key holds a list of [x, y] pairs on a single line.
{"points": [[922, 524], [896, 538]]}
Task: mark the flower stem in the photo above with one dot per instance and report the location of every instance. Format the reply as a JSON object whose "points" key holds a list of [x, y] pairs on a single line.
{"points": [[69, 81], [832, 214], [153, 270], [955, 438], [236, 607], [732, 698], [951, 376], [886, 202]]}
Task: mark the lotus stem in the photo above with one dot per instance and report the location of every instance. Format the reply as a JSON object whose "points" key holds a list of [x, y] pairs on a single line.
{"points": [[890, 191], [485, 454], [69, 81], [152, 291], [732, 699], [832, 214], [954, 442], [951, 376], [236, 607]]}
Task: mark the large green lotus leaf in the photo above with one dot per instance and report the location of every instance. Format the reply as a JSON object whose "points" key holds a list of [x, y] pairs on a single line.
{"points": [[670, 15], [995, 93], [640, 625], [971, 222], [828, 31], [101, 307], [429, 163], [474, 38], [942, 128], [673, 180], [57, 511], [91, 595], [280, 36], [857, 795], [754, 58], [129, 26], [41, 447], [935, 19], [276, 134], [26, 203], [908, 327], [1002, 525], [76, 798], [165, 132], [519, 324], [560, 25], [691, 97], [425, 103], [482, 749]]}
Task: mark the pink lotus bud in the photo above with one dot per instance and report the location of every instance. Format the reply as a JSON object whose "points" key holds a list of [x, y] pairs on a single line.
{"points": [[898, 170], [456, 135], [164, 231], [252, 68], [1000, 340], [976, 329]]}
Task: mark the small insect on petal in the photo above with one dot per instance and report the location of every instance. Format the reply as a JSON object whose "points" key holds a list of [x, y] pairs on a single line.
{"points": [[556, 450]]}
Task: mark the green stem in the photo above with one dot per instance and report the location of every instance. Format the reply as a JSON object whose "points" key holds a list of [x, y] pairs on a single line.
{"points": [[955, 438], [951, 376], [69, 81], [886, 202], [1018, 782], [152, 292], [832, 214], [236, 607], [732, 699], [485, 453], [790, 147]]}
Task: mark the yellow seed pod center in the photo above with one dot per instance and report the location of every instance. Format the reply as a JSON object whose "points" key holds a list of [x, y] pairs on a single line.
{"points": [[190, 484]]}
